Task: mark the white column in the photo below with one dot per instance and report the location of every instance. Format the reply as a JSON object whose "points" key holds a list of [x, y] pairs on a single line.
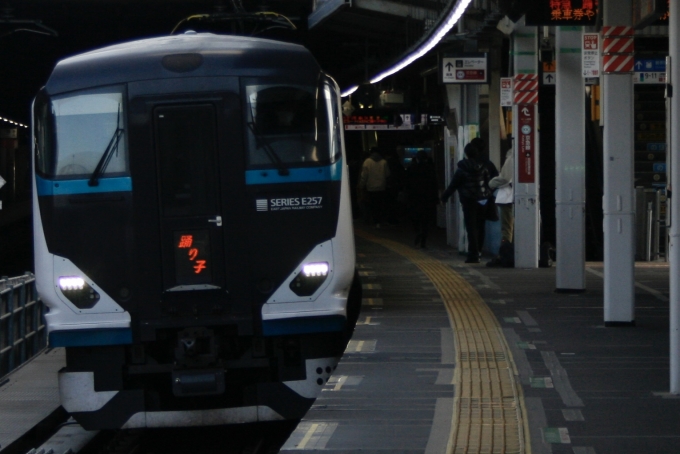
{"points": [[570, 155], [618, 200], [527, 203], [674, 153]]}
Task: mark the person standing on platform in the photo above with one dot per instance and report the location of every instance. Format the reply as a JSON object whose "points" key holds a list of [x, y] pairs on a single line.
{"points": [[483, 155], [505, 200], [422, 192], [395, 184], [471, 180], [505, 196], [373, 183]]}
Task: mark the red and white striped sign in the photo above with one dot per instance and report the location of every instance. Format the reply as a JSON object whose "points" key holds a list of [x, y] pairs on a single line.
{"points": [[622, 45], [618, 49], [523, 76], [526, 89], [526, 97], [526, 85], [618, 64], [618, 30]]}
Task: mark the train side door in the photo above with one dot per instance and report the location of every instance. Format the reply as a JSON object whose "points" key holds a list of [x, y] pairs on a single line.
{"points": [[190, 207]]}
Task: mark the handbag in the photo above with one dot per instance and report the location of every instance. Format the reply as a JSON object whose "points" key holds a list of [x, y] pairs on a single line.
{"points": [[491, 212], [504, 194]]}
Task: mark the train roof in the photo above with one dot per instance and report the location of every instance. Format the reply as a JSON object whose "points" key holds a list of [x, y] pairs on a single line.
{"points": [[190, 54]]}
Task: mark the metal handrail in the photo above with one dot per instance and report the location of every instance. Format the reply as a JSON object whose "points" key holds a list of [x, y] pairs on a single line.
{"points": [[22, 322]]}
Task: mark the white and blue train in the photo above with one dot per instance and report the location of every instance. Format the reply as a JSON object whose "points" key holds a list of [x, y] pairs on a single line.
{"points": [[193, 230]]}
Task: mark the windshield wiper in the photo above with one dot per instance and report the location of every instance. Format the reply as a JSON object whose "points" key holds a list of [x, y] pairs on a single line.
{"points": [[106, 157], [261, 142]]}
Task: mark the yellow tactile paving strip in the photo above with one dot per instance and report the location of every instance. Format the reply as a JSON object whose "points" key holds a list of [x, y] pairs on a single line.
{"points": [[488, 414]]}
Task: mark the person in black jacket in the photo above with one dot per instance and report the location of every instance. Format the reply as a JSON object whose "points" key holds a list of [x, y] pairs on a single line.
{"points": [[423, 193], [471, 180]]}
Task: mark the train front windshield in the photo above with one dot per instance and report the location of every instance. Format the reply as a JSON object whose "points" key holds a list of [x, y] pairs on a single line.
{"points": [[288, 125], [82, 133]]}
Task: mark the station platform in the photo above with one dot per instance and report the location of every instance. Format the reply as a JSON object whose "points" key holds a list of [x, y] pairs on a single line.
{"points": [[29, 394], [451, 357]]}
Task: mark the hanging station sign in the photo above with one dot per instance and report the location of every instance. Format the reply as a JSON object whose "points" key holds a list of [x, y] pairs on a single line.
{"points": [[647, 12], [649, 71], [464, 69], [381, 121], [562, 12]]}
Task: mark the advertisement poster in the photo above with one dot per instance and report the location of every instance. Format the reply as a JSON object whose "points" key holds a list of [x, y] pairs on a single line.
{"points": [[526, 154]]}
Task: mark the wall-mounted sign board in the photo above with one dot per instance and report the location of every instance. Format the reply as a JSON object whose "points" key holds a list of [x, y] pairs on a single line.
{"points": [[464, 69], [563, 12]]}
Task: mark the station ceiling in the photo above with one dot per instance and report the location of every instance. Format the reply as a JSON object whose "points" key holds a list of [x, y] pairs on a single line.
{"points": [[354, 41]]}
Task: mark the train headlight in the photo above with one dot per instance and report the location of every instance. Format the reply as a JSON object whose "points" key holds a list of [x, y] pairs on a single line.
{"points": [[310, 278], [78, 292]]}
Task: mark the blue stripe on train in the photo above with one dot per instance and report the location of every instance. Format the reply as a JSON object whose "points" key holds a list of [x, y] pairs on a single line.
{"points": [[303, 325], [87, 337], [68, 187], [331, 172]]}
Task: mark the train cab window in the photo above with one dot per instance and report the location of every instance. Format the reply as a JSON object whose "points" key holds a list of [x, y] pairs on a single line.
{"points": [[43, 135], [89, 135], [287, 125], [331, 96]]}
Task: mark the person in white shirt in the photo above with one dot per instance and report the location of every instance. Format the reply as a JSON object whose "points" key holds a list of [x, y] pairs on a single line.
{"points": [[372, 183], [505, 196]]}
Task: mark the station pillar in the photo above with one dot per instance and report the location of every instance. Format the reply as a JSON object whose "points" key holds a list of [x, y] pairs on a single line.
{"points": [[526, 152], [618, 201], [452, 210], [570, 154], [674, 153]]}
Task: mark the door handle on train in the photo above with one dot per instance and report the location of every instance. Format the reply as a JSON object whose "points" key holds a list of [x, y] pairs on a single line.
{"points": [[217, 221]]}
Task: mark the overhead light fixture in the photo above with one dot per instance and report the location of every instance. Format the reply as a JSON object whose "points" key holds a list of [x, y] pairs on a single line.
{"points": [[7, 120], [441, 31], [349, 91]]}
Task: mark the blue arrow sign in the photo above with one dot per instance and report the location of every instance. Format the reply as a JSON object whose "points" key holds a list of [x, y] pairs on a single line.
{"points": [[650, 65]]}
